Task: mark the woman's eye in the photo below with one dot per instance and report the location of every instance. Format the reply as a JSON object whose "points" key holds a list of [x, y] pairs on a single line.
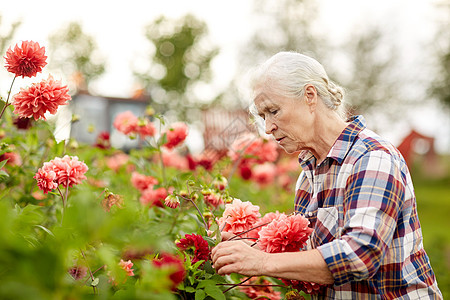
{"points": [[274, 112]]}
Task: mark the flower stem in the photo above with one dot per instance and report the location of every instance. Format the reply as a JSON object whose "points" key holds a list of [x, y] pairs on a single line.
{"points": [[244, 232], [7, 99], [89, 268], [237, 284], [199, 212]]}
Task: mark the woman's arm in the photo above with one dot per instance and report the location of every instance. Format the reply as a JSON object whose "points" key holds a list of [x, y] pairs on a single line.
{"points": [[238, 257]]}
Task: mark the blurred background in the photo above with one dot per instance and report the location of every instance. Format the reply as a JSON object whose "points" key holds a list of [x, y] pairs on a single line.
{"points": [[189, 60]]}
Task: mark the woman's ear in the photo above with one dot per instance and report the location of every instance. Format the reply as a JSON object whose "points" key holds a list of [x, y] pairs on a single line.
{"points": [[311, 95]]}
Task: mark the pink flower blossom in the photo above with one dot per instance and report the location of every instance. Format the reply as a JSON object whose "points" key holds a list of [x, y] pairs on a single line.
{"points": [[172, 159], [285, 234], [39, 98], [145, 128], [239, 216], [46, 180], [153, 197], [127, 267], [12, 157], [116, 161], [253, 149], [264, 174], [142, 182], [67, 171], [176, 134], [213, 198], [78, 272], [126, 122], [269, 217], [27, 60], [195, 246]]}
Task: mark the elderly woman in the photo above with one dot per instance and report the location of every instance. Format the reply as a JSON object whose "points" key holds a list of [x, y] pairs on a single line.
{"points": [[355, 189]]}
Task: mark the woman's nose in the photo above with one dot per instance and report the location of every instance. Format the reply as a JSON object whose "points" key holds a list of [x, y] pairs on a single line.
{"points": [[270, 126]]}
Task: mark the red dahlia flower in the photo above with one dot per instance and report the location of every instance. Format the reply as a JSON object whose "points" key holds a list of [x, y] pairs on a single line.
{"points": [[194, 245], [27, 60], [142, 182], [176, 134], [41, 97], [126, 122], [174, 263], [153, 197]]}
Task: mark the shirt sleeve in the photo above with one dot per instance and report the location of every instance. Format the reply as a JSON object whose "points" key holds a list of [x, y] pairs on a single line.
{"points": [[373, 198]]}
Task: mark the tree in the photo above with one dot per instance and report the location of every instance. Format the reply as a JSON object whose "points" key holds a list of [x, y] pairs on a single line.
{"points": [[180, 61], [76, 54], [440, 86]]}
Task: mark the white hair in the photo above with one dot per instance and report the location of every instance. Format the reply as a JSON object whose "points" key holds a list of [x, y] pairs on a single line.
{"points": [[287, 73]]}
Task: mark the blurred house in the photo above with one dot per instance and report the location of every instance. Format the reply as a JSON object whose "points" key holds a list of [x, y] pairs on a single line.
{"points": [[96, 114], [419, 151]]}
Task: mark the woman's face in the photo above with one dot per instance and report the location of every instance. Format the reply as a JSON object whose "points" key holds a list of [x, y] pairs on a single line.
{"points": [[289, 120]]}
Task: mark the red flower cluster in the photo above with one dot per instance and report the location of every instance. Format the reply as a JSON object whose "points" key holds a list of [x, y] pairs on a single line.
{"points": [[307, 287], [39, 98], [27, 60], [195, 246], [239, 216], [103, 140], [129, 124], [284, 234], [176, 134], [67, 171], [172, 262]]}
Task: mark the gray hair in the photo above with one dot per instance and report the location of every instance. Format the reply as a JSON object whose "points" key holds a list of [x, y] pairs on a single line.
{"points": [[287, 73]]}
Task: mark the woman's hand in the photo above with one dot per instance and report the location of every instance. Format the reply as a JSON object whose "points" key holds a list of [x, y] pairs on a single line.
{"points": [[236, 256]]}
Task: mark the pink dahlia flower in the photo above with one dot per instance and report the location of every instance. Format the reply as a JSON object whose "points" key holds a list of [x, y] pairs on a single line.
{"points": [[127, 267], [126, 122], [142, 182], [253, 149], [153, 197], [13, 158], [176, 134], [172, 159], [116, 161], [27, 60], [267, 219], [46, 180], [69, 170], [195, 246], [284, 234], [213, 198], [264, 174], [239, 216], [39, 98]]}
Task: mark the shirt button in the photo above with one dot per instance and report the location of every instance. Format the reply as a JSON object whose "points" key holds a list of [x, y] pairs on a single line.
{"points": [[310, 214]]}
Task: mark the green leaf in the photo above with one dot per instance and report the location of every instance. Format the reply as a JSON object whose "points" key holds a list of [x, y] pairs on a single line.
{"points": [[214, 292], [189, 289], [200, 295], [45, 229], [3, 163], [95, 281], [205, 283]]}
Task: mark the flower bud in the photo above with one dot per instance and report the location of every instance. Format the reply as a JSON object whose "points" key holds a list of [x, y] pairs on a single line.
{"points": [[220, 183], [172, 201]]}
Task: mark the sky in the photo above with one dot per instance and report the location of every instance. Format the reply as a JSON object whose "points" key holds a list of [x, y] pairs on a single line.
{"points": [[118, 28]]}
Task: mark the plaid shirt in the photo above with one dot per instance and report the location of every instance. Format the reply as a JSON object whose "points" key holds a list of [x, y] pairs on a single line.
{"points": [[360, 201]]}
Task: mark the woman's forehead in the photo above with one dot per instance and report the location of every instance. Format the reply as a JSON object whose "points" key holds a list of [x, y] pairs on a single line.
{"points": [[264, 100]]}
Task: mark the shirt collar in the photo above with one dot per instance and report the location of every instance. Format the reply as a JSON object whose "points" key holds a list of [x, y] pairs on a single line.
{"points": [[341, 146]]}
